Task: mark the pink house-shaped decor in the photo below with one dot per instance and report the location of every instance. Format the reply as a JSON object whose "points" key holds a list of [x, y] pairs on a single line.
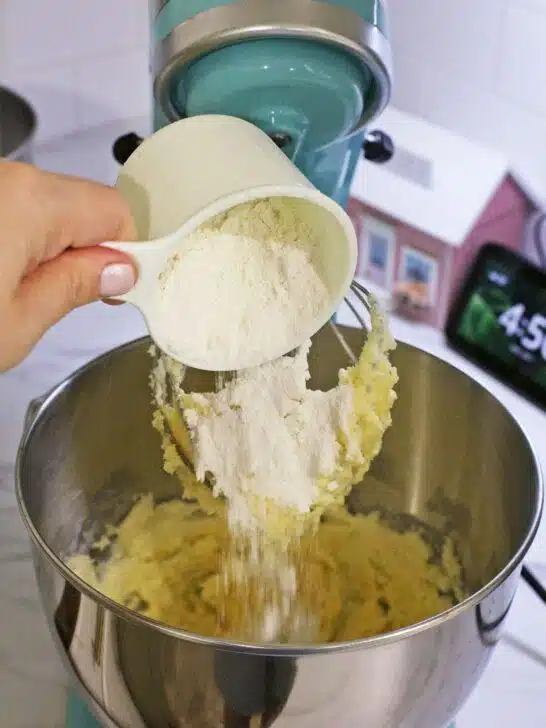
{"points": [[422, 217]]}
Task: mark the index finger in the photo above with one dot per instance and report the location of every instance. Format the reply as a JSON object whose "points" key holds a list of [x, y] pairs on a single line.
{"points": [[84, 213], [60, 211]]}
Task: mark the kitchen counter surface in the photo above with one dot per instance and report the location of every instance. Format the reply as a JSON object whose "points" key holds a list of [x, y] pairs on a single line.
{"points": [[32, 683]]}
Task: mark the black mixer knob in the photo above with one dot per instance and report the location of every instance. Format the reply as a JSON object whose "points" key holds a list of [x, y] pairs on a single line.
{"points": [[281, 139], [125, 146], [378, 147]]}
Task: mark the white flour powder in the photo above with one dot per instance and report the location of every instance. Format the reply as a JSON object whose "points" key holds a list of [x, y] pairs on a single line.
{"points": [[243, 288], [265, 435]]}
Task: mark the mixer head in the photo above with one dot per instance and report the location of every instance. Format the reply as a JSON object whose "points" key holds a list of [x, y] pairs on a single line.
{"points": [[306, 72], [312, 74]]}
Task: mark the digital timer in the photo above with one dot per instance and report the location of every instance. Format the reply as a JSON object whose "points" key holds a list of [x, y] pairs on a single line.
{"points": [[499, 320]]}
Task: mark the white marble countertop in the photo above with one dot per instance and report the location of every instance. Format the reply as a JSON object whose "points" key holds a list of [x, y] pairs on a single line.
{"points": [[32, 683]]}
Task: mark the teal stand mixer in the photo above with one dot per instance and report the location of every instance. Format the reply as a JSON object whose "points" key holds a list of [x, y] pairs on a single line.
{"points": [[313, 75]]}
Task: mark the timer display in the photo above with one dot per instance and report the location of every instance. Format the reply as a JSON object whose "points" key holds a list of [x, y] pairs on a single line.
{"points": [[499, 320]]}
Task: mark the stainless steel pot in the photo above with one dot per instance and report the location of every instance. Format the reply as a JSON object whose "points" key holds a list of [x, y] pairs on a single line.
{"points": [[17, 126], [454, 457]]}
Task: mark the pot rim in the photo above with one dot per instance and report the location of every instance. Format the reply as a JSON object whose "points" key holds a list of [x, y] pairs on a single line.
{"points": [[293, 649]]}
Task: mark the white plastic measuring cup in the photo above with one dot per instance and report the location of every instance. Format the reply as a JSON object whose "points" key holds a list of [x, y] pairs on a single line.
{"points": [[194, 169]]}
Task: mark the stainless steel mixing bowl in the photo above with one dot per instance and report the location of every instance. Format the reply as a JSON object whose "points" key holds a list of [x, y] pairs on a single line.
{"points": [[454, 458]]}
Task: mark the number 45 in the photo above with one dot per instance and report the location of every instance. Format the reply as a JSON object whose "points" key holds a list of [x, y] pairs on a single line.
{"points": [[535, 335]]}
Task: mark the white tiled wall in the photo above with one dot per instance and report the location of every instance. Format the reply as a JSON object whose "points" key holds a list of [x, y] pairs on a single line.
{"points": [[80, 62], [478, 67]]}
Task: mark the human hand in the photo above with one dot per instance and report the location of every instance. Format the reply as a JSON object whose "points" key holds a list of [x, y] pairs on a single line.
{"points": [[50, 262]]}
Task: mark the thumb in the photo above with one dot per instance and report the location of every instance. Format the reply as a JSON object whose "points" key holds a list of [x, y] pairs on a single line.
{"points": [[74, 278]]}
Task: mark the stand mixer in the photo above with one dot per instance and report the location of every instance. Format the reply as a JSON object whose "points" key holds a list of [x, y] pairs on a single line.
{"points": [[312, 74]]}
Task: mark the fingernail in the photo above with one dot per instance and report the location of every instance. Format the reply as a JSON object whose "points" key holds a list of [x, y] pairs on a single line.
{"points": [[116, 279]]}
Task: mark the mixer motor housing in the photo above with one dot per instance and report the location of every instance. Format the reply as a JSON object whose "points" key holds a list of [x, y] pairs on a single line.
{"points": [[311, 74]]}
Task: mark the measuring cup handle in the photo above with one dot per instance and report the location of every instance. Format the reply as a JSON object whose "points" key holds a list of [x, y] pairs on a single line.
{"points": [[150, 261]]}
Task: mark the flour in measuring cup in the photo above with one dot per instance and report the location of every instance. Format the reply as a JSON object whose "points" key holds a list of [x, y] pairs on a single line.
{"points": [[244, 285]]}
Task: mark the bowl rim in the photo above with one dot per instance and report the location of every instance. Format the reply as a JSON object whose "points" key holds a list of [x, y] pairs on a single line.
{"points": [[38, 409]]}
